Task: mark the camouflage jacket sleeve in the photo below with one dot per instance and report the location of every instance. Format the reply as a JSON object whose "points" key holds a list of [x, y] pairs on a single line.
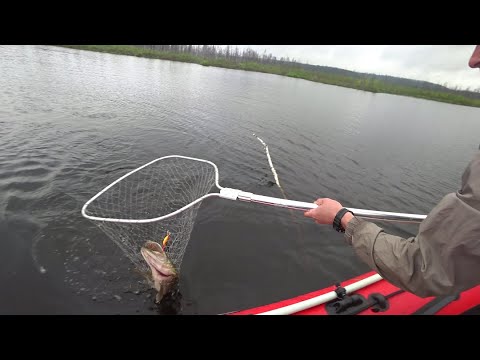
{"points": [[443, 258]]}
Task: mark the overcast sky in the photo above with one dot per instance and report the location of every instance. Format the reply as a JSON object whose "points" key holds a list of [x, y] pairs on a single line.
{"points": [[439, 64]]}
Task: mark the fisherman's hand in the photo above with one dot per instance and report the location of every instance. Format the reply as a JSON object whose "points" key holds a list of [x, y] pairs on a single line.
{"points": [[325, 212]]}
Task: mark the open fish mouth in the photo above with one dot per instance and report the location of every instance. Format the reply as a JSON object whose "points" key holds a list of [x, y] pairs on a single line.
{"points": [[157, 260]]}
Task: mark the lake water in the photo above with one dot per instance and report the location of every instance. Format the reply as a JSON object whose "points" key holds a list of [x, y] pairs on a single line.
{"points": [[71, 122]]}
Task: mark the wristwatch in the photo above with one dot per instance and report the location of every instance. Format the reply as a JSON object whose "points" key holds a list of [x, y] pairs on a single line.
{"points": [[337, 221]]}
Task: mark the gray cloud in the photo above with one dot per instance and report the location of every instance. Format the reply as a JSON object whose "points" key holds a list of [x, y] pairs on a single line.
{"points": [[441, 64]]}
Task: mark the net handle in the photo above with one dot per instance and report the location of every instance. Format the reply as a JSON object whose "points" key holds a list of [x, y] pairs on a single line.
{"points": [[234, 194], [84, 207]]}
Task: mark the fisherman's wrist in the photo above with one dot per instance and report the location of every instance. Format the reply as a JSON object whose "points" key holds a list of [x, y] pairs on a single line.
{"points": [[337, 220]]}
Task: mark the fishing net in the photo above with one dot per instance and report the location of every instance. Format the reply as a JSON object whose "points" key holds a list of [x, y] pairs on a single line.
{"points": [[158, 198]]}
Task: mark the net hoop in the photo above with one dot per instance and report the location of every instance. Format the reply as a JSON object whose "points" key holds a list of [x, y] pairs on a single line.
{"points": [[141, 221]]}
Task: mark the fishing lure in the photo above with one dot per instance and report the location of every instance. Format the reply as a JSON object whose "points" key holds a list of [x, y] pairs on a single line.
{"points": [[165, 240]]}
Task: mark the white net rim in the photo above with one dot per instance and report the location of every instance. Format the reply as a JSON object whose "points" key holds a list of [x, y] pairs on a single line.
{"points": [[96, 218]]}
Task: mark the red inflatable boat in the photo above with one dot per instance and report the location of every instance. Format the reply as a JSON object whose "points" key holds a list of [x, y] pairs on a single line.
{"points": [[370, 294]]}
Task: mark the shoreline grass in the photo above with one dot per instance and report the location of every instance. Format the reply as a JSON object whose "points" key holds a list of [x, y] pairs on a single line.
{"points": [[365, 84]]}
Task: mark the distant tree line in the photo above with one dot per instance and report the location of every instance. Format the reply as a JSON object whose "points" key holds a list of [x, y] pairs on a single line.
{"points": [[218, 52]]}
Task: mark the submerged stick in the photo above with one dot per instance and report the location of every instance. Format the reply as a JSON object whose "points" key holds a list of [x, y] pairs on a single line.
{"points": [[275, 175]]}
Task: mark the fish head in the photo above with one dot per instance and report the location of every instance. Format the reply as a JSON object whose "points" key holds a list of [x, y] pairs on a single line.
{"points": [[163, 275]]}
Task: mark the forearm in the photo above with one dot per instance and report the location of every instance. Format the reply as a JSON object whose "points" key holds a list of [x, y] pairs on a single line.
{"points": [[398, 260]]}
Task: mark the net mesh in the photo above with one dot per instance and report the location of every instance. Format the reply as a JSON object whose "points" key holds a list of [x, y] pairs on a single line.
{"points": [[156, 190]]}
